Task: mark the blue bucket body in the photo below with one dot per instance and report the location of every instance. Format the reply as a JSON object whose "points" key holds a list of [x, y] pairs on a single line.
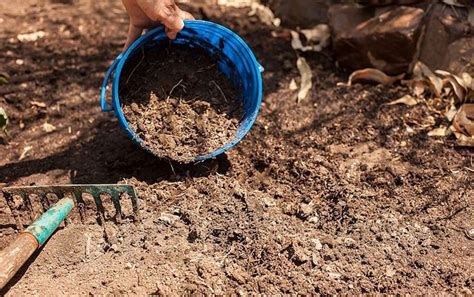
{"points": [[234, 58]]}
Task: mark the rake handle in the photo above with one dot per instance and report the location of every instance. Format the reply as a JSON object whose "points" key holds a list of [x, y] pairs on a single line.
{"points": [[15, 255], [20, 250]]}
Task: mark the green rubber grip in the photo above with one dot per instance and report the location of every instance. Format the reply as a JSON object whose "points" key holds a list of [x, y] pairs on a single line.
{"points": [[49, 221]]}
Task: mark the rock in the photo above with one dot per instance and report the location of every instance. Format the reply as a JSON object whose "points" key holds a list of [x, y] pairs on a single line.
{"points": [[334, 275], [237, 273], [387, 42], [390, 272], [349, 242], [460, 56], [168, 219], [389, 2], [298, 254], [305, 210], [313, 219], [317, 244], [439, 48], [303, 13]]}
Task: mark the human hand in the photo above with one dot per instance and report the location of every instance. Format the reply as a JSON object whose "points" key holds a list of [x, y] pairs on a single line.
{"points": [[148, 13]]}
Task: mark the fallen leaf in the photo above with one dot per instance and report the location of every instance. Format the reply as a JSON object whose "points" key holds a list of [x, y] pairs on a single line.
{"points": [[38, 104], [439, 132], [468, 81], [48, 128], [407, 100], [293, 86], [317, 38], [264, 14], [3, 119], [23, 155], [296, 43], [28, 37], [3, 79], [373, 75], [306, 78], [451, 113], [464, 120], [456, 83], [421, 71], [463, 140]]}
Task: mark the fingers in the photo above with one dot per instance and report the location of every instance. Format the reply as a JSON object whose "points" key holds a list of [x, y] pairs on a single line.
{"points": [[167, 13], [133, 33]]}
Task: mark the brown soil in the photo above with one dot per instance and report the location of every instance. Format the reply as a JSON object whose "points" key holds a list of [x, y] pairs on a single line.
{"points": [[179, 103], [337, 194]]}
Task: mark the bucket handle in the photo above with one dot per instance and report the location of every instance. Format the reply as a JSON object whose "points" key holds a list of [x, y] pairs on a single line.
{"points": [[103, 90]]}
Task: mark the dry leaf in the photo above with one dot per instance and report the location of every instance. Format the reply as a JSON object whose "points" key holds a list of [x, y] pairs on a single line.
{"points": [[3, 119], [451, 113], [407, 100], [317, 38], [293, 86], [25, 152], [421, 71], [439, 132], [38, 104], [48, 128], [28, 37], [296, 41], [373, 75], [463, 140], [464, 120], [264, 14], [456, 83], [306, 78], [468, 81]]}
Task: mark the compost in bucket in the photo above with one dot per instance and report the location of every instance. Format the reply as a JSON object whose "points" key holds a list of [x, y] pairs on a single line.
{"points": [[178, 102]]}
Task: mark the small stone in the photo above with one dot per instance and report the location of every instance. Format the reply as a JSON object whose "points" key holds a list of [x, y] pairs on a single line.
{"points": [[317, 244], [128, 265], [298, 254], [390, 272], [305, 210], [168, 218], [313, 219], [349, 242], [115, 248], [314, 259], [334, 275], [237, 273]]}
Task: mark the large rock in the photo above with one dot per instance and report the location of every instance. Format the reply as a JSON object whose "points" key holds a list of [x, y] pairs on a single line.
{"points": [[302, 13], [447, 42], [387, 42]]}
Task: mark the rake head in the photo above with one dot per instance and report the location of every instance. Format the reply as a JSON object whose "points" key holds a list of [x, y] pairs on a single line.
{"points": [[95, 203]]}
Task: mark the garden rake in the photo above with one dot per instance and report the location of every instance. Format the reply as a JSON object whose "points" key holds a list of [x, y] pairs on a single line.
{"points": [[93, 203]]}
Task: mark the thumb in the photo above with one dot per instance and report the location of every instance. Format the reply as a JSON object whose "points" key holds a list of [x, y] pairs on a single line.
{"points": [[173, 26]]}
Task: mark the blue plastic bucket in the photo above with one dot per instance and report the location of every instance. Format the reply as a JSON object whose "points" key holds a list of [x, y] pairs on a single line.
{"points": [[234, 58]]}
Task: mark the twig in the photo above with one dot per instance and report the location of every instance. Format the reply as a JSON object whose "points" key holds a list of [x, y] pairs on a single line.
{"points": [[220, 90], [174, 87], [136, 66]]}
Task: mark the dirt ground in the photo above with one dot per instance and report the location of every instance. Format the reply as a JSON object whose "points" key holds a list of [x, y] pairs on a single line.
{"points": [[336, 194]]}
